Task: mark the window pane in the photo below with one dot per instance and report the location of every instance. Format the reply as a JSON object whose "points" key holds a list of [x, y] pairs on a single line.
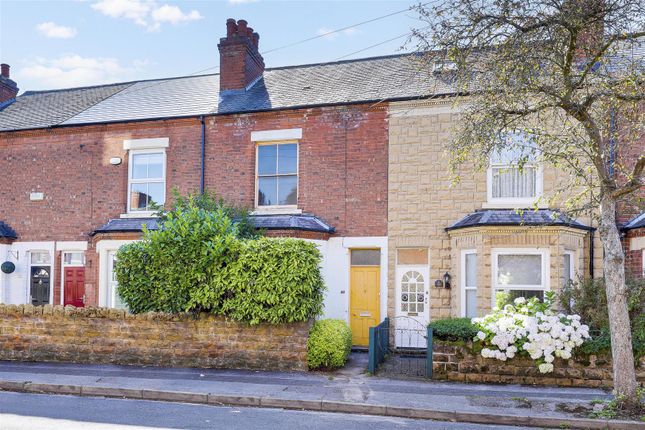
{"points": [[471, 303], [267, 157], [567, 267], [287, 190], [139, 166], [156, 193], [138, 196], [519, 269], [287, 158], [40, 257], [267, 192], [75, 258], [366, 257], [406, 256], [155, 166], [509, 182], [471, 270]]}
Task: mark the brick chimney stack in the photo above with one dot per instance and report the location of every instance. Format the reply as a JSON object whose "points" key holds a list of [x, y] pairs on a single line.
{"points": [[8, 88], [240, 62]]}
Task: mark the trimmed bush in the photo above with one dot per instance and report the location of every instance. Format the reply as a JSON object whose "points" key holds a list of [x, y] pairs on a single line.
{"points": [[453, 329], [329, 344], [198, 262]]}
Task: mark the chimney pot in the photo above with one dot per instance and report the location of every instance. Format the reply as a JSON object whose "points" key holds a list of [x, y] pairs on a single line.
{"points": [[256, 40], [4, 70], [241, 27], [231, 27]]}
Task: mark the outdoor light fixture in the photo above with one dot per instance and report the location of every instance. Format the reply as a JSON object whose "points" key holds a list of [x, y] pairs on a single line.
{"points": [[446, 280]]}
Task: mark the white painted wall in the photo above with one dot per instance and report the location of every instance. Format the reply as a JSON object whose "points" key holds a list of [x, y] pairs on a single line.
{"points": [[3, 276], [16, 285]]}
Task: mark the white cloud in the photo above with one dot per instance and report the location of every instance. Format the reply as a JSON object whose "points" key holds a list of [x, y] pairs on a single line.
{"points": [[52, 30], [72, 70], [146, 13], [327, 34]]}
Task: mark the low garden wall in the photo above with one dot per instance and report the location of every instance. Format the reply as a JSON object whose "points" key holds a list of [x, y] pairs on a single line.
{"points": [[459, 363], [100, 335]]}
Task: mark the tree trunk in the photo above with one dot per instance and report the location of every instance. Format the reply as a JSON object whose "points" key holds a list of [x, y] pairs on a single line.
{"points": [[621, 336]]}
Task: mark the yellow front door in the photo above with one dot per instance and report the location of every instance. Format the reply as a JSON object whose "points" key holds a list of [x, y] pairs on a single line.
{"points": [[364, 303]]}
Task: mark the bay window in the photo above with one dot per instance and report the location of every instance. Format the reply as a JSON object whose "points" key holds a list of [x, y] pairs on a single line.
{"points": [[520, 272]]}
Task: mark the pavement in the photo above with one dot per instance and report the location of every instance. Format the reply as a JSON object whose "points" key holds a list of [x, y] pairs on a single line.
{"points": [[349, 390]]}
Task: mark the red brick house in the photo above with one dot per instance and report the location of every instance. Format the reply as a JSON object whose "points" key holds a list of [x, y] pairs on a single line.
{"points": [[304, 147]]}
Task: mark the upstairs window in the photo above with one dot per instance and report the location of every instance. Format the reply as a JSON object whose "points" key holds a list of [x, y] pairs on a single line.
{"points": [[147, 180], [514, 176], [277, 174]]}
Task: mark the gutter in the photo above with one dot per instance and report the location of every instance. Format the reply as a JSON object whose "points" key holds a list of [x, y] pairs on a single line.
{"points": [[202, 188]]}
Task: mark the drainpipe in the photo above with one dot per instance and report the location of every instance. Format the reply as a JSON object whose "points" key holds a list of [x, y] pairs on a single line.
{"points": [[203, 157], [591, 253]]}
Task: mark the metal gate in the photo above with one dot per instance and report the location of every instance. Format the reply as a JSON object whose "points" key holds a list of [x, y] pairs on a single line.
{"points": [[389, 358]]}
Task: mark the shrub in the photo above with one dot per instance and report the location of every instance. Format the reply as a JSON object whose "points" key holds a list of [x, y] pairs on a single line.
{"points": [[530, 327], [453, 329], [197, 262], [329, 344], [587, 297]]}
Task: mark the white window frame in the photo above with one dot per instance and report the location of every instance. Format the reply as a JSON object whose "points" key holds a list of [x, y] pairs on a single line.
{"points": [[514, 201], [545, 261], [464, 288], [131, 181], [572, 264], [273, 208]]}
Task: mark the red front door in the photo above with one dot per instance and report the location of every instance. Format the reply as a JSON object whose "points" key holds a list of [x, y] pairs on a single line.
{"points": [[75, 286]]}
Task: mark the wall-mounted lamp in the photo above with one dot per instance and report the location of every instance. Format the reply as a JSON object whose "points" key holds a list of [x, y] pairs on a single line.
{"points": [[446, 280], [115, 161]]}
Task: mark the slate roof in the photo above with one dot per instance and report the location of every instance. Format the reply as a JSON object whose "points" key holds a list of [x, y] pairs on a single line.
{"points": [[7, 232], [396, 77], [304, 222], [509, 217], [636, 222]]}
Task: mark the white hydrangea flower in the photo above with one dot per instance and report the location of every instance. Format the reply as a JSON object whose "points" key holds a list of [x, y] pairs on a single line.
{"points": [[545, 368]]}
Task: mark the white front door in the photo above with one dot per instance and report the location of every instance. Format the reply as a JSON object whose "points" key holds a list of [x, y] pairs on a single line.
{"points": [[412, 306]]}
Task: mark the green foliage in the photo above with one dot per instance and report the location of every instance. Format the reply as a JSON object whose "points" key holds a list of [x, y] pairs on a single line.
{"points": [[453, 329], [275, 280], [212, 203], [587, 298], [329, 344], [198, 261]]}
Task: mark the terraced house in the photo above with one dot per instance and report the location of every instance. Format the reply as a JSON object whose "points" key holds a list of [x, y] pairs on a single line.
{"points": [[347, 154]]}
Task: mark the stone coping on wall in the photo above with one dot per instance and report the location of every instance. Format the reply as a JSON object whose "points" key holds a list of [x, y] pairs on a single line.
{"points": [[102, 335], [459, 363]]}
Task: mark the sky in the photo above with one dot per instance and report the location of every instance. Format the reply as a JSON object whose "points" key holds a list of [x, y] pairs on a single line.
{"points": [[62, 44]]}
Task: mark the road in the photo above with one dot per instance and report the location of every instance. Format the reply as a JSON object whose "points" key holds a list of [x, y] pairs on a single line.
{"points": [[21, 411]]}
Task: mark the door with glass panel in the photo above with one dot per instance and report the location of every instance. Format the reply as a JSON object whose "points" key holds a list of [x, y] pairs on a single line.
{"points": [[365, 288], [412, 297]]}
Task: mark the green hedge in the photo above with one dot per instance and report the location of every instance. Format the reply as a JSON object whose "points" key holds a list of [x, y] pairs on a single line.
{"points": [[197, 262], [453, 329], [329, 344]]}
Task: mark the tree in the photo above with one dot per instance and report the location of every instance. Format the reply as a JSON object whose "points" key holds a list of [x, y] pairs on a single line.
{"points": [[569, 76]]}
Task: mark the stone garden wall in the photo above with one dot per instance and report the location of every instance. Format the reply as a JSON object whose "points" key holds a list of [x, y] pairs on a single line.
{"points": [[100, 335], [460, 363]]}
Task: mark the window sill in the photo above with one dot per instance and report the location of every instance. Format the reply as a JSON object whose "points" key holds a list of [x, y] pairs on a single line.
{"points": [[277, 210], [139, 215], [513, 204]]}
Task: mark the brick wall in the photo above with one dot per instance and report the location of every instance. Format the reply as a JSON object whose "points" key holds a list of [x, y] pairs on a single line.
{"points": [[98, 335], [634, 254], [459, 363]]}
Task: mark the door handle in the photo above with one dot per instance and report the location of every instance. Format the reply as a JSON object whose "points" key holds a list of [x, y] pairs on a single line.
{"points": [[83, 299]]}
